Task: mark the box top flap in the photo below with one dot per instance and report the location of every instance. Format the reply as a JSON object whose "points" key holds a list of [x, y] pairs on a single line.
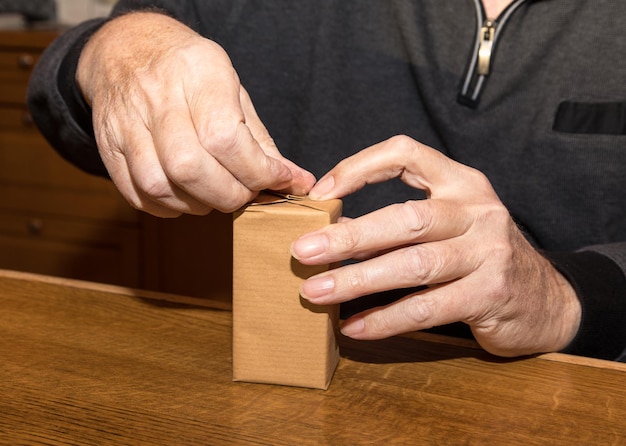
{"points": [[275, 198]]}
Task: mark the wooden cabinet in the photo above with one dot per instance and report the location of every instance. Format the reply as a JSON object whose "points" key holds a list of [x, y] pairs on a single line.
{"points": [[54, 219], [58, 220], [188, 255]]}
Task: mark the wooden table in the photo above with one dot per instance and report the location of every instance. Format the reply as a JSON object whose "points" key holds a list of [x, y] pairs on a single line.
{"points": [[87, 364]]}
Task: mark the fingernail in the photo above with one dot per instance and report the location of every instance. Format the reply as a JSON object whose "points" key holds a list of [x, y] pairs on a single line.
{"points": [[322, 188], [309, 246], [317, 287], [353, 326]]}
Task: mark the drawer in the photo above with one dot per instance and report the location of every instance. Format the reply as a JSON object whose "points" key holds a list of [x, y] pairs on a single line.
{"points": [[26, 158], [17, 119], [29, 39], [15, 70], [189, 255], [106, 205], [67, 248], [34, 177]]}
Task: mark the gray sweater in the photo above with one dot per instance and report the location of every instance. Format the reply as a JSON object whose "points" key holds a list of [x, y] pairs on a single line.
{"points": [[546, 124]]}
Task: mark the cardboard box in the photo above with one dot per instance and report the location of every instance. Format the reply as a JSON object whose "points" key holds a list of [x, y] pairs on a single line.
{"points": [[278, 337]]}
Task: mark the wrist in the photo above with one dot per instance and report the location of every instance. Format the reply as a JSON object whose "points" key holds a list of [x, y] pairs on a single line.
{"points": [[569, 311]]}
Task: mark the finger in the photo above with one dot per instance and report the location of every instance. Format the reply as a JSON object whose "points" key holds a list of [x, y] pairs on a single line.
{"points": [[152, 180], [436, 306], [416, 265], [191, 168], [147, 184], [122, 178], [302, 180], [117, 166], [218, 120], [399, 157], [393, 226]]}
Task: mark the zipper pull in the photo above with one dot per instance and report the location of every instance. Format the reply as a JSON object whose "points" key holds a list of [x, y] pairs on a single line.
{"points": [[487, 32]]}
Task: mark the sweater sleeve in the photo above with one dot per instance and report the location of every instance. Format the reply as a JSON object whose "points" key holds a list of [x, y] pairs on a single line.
{"points": [[600, 283], [57, 107]]}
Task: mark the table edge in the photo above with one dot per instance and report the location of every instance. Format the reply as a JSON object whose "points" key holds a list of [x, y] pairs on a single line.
{"points": [[221, 305]]}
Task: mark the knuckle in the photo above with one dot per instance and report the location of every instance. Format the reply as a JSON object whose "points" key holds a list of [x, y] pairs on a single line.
{"points": [[479, 182], [379, 325], [234, 200], [501, 217], [420, 311], [259, 181], [406, 145], [402, 142], [221, 135], [345, 237], [499, 285], [414, 219], [501, 234], [182, 166], [478, 176], [492, 219], [499, 265], [421, 265], [353, 280], [231, 206], [154, 185], [107, 135]]}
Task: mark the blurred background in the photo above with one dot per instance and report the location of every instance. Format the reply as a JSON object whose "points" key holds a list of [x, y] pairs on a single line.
{"points": [[75, 11], [59, 221], [66, 12]]}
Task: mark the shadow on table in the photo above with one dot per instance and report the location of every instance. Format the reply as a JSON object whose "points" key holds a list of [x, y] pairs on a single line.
{"points": [[403, 349]]}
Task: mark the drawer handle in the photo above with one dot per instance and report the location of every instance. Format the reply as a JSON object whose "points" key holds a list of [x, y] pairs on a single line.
{"points": [[35, 226], [25, 61], [27, 119]]}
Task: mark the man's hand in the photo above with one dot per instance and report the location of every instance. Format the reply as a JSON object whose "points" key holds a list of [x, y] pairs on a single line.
{"points": [[175, 129], [460, 242]]}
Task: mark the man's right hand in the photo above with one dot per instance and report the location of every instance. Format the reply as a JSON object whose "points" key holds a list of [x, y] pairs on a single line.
{"points": [[175, 129]]}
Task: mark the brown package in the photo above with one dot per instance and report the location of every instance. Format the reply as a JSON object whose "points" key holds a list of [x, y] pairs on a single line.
{"points": [[278, 337]]}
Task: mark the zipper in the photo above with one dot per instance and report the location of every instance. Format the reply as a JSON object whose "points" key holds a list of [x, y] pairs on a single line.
{"points": [[487, 35], [485, 47]]}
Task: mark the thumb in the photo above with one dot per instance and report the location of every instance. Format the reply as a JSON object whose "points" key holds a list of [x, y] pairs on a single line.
{"points": [[402, 157]]}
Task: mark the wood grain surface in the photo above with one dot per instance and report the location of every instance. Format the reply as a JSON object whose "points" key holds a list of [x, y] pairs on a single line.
{"points": [[85, 364]]}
